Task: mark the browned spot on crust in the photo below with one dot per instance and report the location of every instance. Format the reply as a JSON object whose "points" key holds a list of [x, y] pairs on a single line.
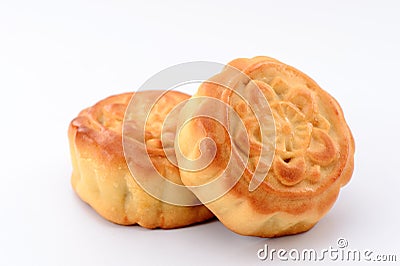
{"points": [[290, 172]]}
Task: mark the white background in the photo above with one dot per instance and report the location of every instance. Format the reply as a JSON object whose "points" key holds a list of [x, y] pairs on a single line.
{"points": [[57, 57]]}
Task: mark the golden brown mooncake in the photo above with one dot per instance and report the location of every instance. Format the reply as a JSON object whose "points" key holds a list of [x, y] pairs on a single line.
{"points": [[100, 173], [312, 153]]}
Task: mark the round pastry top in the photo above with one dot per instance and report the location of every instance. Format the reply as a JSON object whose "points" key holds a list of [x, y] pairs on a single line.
{"points": [[313, 144], [102, 123]]}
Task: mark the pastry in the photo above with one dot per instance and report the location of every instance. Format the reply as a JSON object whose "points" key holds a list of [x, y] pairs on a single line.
{"points": [[100, 173], [309, 154]]}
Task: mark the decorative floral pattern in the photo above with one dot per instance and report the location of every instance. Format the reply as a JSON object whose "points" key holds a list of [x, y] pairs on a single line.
{"points": [[303, 143]]}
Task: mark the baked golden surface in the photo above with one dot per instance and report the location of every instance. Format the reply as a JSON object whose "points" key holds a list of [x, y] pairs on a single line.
{"points": [[313, 155], [101, 176]]}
